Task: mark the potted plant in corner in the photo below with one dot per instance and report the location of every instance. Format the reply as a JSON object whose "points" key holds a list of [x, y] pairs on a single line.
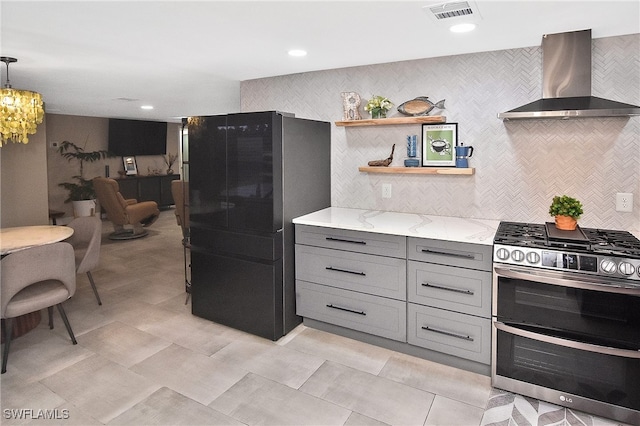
{"points": [[567, 211], [81, 193]]}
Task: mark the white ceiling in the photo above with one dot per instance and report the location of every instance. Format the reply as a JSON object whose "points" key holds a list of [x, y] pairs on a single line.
{"points": [[107, 58]]}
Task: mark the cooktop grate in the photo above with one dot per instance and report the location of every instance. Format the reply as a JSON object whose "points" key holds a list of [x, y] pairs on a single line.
{"points": [[591, 240]]}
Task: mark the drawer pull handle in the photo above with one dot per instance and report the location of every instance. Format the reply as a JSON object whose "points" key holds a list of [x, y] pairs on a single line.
{"points": [[346, 310], [444, 253], [455, 290], [331, 268], [341, 240], [448, 333]]}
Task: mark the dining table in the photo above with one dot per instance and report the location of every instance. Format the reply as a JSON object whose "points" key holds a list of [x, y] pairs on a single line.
{"points": [[24, 237], [20, 238]]}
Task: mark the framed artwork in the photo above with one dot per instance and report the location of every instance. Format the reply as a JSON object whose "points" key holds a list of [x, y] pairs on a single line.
{"points": [[439, 143], [130, 166]]}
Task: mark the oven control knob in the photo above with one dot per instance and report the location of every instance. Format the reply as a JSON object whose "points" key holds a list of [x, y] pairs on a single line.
{"points": [[502, 254], [533, 257], [626, 268], [608, 266], [517, 255]]}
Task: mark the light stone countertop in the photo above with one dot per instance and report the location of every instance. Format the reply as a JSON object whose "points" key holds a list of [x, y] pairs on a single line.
{"points": [[24, 237], [465, 230]]}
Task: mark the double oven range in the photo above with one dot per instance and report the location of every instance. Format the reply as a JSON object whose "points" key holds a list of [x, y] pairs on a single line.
{"points": [[566, 317]]}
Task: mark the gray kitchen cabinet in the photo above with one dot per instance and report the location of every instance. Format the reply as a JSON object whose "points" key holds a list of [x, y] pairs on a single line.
{"points": [[356, 241], [425, 297], [454, 333], [352, 279], [448, 287], [366, 273], [464, 255], [370, 314], [449, 298]]}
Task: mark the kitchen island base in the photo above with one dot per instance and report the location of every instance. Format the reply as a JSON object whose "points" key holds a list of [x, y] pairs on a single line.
{"points": [[405, 348]]}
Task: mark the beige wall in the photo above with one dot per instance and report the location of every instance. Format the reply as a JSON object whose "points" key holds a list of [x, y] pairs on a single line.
{"points": [[23, 181]]}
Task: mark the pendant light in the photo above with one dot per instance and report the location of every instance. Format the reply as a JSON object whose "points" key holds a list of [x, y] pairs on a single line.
{"points": [[20, 111]]}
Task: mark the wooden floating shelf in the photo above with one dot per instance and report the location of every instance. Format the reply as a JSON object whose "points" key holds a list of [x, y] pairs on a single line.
{"points": [[419, 170], [393, 120]]}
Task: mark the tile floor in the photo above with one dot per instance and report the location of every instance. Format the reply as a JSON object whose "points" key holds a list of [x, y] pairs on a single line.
{"points": [[142, 358]]}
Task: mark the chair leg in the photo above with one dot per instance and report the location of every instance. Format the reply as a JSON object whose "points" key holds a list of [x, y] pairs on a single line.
{"points": [[50, 311], [93, 285], [66, 323], [8, 329], [186, 245]]}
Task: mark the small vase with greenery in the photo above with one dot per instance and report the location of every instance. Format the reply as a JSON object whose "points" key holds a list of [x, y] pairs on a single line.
{"points": [[378, 106], [83, 188], [567, 211]]}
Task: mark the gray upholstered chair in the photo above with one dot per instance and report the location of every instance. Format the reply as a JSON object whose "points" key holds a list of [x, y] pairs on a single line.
{"points": [[34, 279], [86, 241], [180, 194], [124, 212]]}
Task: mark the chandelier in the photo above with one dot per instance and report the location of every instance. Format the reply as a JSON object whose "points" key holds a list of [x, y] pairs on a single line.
{"points": [[20, 111]]}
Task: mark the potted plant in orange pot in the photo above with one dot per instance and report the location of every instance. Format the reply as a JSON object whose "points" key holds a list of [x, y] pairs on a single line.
{"points": [[567, 211]]}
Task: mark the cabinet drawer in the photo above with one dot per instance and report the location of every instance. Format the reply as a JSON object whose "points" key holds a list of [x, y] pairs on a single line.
{"points": [[456, 289], [366, 273], [370, 314], [356, 241], [461, 335], [473, 256]]}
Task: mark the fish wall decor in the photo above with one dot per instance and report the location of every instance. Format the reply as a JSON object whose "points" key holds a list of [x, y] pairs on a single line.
{"points": [[421, 105]]}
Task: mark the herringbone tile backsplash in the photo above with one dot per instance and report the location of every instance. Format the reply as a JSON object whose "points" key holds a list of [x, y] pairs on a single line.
{"points": [[520, 165]]}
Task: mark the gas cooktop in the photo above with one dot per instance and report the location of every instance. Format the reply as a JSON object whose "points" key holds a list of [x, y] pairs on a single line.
{"points": [[583, 240], [591, 251]]}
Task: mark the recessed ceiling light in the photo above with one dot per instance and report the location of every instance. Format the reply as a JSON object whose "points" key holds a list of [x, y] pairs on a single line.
{"points": [[462, 28], [146, 107], [297, 52]]}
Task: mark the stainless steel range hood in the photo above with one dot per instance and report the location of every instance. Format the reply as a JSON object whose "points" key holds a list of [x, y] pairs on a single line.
{"points": [[566, 85]]}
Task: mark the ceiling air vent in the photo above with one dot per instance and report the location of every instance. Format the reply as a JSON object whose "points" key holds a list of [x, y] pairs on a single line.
{"points": [[451, 10], [448, 12]]}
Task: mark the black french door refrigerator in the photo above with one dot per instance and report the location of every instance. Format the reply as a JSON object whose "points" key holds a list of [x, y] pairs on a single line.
{"points": [[250, 174]]}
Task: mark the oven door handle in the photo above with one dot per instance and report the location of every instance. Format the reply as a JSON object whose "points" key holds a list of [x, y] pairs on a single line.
{"points": [[625, 353], [554, 278]]}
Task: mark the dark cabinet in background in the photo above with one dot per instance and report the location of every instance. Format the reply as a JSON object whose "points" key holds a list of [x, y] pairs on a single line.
{"points": [[148, 188]]}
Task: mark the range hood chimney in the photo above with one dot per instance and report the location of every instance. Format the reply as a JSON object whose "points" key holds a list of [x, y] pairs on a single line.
{"points": [[566, 85]]}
